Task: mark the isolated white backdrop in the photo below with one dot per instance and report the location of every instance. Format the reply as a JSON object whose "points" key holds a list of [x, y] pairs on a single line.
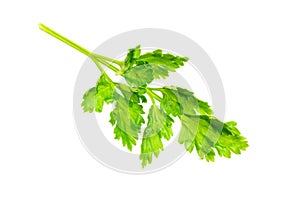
{"points": [[255, 46]]}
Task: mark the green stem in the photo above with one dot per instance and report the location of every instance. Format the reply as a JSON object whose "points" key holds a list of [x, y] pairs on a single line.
{"points": [[106, 64], [97, 64], [152, 99], [64, 39], [155, 89], [153, 95], [99, 67], [118, 62], [95, 57]]}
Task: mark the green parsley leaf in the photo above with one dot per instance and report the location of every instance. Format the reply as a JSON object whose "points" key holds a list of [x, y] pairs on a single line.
{"points": [[178, 100], [105, 88], [170, 102], [199, 131], [94, 98], [207, 133], [132, 55], [161, 63], [203, 108], [139, 75], [158, 127], [230, 141], [188, 131], [213, 134], [166, 132], [127, 116], [88, 103]]}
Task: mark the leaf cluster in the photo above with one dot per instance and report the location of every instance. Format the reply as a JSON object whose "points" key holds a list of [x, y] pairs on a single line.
{"points": [[200, 130]]}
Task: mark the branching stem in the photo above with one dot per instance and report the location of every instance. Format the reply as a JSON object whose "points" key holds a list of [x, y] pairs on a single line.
{"points": [[153, 95], [94, 57]]}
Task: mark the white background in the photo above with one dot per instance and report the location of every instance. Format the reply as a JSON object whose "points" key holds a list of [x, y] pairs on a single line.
{"points": [[255, 46]]}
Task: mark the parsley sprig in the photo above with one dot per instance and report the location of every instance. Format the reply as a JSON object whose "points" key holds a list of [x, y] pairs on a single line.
{"points": [[200, 130]]}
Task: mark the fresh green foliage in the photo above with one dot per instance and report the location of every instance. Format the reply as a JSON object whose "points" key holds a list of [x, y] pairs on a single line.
{"points": [[88, 104], [139, 70], [139, 75], [200, 130], [94, 98], [159, 126], [127, 116], [160, 63]]}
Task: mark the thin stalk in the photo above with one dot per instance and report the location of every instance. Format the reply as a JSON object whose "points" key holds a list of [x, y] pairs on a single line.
{"points": [[155, 89], [152, 99], [106, 64], [64, 39], [118, 62], [95, 57], [99, 67], [97, 64], [153, 95]]}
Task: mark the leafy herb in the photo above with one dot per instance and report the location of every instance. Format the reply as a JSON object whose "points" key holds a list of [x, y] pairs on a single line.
{"points": [[200, 130], [127, 116]]}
